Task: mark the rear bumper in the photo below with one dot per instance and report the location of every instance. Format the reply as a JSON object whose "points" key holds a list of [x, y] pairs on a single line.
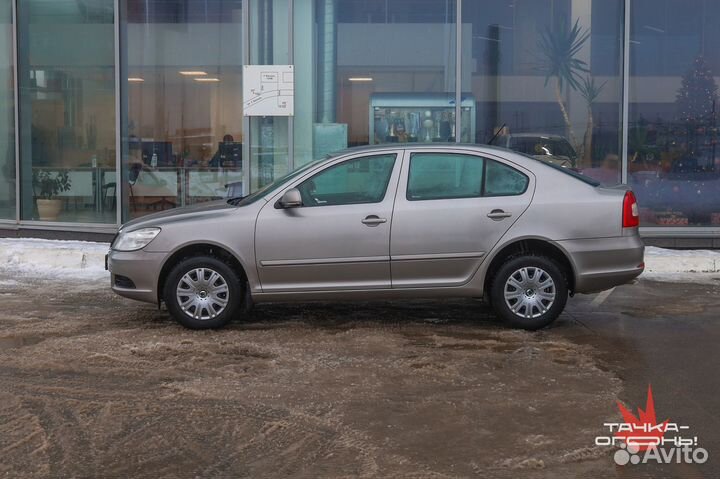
{"points": [[604, 263], [141, 268]]}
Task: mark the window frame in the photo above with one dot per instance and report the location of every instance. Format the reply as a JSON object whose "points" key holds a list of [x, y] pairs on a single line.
{"points": [[393, 154], [483, 192]]}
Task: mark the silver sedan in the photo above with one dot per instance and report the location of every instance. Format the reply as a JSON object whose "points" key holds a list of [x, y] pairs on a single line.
{"points": [[389, 222]]}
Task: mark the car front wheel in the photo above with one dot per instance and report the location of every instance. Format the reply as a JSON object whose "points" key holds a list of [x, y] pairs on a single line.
{"points": [[529, 292], [202, 292]]}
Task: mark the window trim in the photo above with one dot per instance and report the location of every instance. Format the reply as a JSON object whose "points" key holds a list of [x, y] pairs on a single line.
{"points": [[483, 192], [354, 158]]}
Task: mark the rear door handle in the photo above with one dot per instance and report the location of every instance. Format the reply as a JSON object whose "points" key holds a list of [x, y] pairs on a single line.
{"points": [[498, 215], [373, 220]]}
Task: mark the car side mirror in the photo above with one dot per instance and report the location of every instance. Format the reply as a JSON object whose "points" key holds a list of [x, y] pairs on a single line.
{"points": [[291, 199]]}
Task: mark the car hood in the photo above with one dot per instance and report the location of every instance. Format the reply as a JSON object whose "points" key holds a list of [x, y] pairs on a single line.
{"points": [[194, 212]]}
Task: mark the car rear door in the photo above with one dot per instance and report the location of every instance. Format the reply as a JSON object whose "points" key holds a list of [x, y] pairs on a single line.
{"points": [[340, 237], [451, 208]]}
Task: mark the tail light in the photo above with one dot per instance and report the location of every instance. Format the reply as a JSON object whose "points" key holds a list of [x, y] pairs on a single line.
{"points": [[631, 214]]}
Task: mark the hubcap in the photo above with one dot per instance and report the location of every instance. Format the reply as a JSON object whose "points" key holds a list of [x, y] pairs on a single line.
{"points": [[529, 292], [202, 293]]}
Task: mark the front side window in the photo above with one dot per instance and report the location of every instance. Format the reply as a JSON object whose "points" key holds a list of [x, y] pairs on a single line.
{"points": [[357, 181], [435, 176]]}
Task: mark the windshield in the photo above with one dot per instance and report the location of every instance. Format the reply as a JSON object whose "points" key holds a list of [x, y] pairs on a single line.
{"points": [[542, 146], [269, 188]]}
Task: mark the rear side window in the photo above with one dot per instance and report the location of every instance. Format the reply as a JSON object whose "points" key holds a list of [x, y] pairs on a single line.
{"points": [[436, 176], [502, 180]]}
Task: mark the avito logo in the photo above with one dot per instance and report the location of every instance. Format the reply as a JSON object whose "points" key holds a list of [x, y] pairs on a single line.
{"points": [[642, 439]]}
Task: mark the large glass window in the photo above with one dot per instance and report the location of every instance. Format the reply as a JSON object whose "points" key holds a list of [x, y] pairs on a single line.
{"points": [[378, 72], [67, 110], [181, 82], [269, 147], [545, 78], [673, 157], [7, 114]]}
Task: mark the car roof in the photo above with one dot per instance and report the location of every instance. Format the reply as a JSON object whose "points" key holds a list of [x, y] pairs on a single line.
{"points": [[424, 146], [536, 135], [518, 158]]}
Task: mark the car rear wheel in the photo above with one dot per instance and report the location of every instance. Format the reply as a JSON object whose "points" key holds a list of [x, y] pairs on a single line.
{"points": [[529, 292], [202, 292]]}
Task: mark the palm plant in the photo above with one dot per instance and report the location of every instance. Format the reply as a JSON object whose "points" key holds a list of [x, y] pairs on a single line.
{"points": [[559, 48], [590, 91]]}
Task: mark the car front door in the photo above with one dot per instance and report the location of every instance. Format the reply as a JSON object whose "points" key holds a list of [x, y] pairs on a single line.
{"points": [[340, 237], [451, 208]]}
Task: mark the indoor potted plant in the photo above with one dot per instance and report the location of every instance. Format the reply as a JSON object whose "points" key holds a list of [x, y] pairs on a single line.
{"points": [[47, 186]]}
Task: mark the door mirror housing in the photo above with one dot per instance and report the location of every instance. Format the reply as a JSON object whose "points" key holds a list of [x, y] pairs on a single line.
{"points": [[291, 199]]}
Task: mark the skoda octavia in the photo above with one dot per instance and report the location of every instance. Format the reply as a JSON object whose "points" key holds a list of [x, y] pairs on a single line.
{"points": [[389, 222]]}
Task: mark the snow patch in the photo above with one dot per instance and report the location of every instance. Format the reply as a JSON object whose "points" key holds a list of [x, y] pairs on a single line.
{"points": [[659, 260], [53, 258]]}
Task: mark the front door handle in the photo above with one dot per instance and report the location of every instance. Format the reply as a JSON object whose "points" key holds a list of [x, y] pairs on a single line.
{"points": [[498, 215], [373, 220]]}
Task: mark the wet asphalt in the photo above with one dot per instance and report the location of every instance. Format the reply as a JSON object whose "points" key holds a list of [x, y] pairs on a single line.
{"points": [[92, 385], [664, 334]]}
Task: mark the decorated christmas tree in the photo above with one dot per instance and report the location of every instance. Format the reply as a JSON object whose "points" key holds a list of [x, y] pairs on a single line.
{"points": [[697, 96]]}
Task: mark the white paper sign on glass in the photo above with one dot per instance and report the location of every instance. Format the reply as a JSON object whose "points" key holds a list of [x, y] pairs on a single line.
{"points": [[268, 90]]}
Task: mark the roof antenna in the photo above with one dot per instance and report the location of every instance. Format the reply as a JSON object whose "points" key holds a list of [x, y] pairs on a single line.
{"points": [[496, 134]]}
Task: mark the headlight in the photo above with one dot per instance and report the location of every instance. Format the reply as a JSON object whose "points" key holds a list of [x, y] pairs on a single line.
{"points": [[135, 240]]}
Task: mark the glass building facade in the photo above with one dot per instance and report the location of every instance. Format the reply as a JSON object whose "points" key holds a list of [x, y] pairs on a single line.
{"points": [[113, 109]]}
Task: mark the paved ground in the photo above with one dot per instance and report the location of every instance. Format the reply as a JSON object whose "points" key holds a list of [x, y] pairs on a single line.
{"points": [[92, 385]]}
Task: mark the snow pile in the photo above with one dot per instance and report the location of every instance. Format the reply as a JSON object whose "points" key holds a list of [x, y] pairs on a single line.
{"points": [[659, 260], [52, 258]]}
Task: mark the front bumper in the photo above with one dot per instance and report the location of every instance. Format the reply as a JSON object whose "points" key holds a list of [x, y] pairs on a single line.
{"points": [[141, 268], [604, 263]]}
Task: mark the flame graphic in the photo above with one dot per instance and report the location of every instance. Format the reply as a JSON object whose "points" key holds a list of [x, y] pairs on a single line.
{"points": [[646, 431]]}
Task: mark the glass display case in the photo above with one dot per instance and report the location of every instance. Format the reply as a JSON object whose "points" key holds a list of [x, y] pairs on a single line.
{"points": [[419, 117]]}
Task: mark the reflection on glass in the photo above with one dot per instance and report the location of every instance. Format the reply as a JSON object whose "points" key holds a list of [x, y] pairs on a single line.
{"points": [[269, 154], [384, 72], [268, 150], [7, 116], [182, 87], [673, 157], [545, 76], [67, 110], [412, 118]]}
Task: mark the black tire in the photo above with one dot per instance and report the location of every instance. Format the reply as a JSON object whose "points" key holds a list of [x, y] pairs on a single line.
{"points": [[191, 316], [541, 311]]}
